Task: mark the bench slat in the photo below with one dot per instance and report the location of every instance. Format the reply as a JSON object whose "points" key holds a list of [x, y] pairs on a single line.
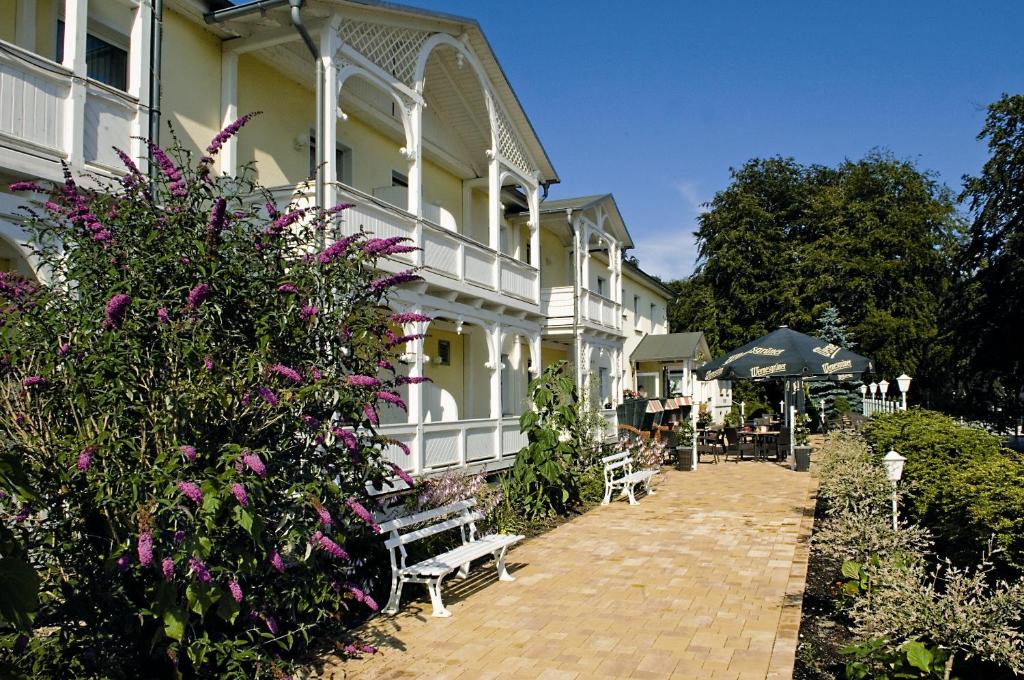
{"points": [[455, 558], [416, 535], [426, 515]]}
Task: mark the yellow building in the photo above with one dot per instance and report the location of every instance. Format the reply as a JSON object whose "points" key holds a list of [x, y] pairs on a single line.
{"points": [[405, 113]]}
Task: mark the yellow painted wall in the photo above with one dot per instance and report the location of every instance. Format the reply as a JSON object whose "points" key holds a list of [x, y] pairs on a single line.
{"points": [[46, 28], [555, 265], [190, 83], [8, 17], [478, 377], [449, 378], [477, 228], [550, 355], [442, 188], [289, 112]]}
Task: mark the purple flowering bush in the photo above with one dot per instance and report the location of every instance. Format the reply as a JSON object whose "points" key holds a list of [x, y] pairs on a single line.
{"points": [[188, 415]]}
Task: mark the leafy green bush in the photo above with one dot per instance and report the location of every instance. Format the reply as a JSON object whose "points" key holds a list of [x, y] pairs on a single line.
{"points": [[192, 405], [963, 486], [545, 479]]}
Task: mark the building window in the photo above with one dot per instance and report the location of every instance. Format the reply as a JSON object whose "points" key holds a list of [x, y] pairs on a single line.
{"points": [[601, 286], [654, 311], [444, 353], [104, 61], [636, 309], [342, 161], [399, 180]]}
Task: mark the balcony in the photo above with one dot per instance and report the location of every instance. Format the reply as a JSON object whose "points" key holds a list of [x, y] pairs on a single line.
{"points": [[35, 102], [462, 443], [449, 259], [557, 305]]}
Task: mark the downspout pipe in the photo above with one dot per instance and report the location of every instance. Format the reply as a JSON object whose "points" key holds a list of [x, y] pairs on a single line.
{"points": [[156, 31], [261, 6]]}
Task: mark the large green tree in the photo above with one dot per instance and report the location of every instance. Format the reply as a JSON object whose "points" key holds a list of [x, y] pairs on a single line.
{"points": [[784, 241], [993, 292]]}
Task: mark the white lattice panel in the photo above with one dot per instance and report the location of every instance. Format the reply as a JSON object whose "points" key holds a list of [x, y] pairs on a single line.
{"points": [[511, 148], [441, 447], [31, 105], [512, 440], [480, 443], [108, 123], [391, 48], [479, 266], [440, 253]]}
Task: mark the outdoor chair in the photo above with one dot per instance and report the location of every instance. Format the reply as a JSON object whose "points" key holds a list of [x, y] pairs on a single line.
{"points": [[782, 445], [710, 443], [732, 442]]}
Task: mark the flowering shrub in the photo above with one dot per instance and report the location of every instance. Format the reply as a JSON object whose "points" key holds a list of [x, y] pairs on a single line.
{"points": [[453, 486], [192, 406]]}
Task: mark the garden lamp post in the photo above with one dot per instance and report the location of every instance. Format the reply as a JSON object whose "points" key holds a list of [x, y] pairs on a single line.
{"points": [[883, 387], [904, 382], [893, 470], [874, 388], [743, 411]]}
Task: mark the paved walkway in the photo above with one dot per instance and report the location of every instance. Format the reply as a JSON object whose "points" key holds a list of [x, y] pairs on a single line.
{"points": [[702, 580]]}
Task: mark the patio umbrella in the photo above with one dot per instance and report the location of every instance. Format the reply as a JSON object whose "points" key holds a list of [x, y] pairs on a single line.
{"points": [[784, 353]]}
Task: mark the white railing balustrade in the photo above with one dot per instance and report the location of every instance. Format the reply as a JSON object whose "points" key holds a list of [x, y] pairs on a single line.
{"points": [[454, 444], [873, 406], [108, 123], [611, 418], [32, 95]]}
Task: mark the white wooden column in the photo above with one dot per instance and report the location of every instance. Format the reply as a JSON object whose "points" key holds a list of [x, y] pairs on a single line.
{"points": [[415, 158], [330, 43], [76, 14], [494, 202], [227, 161], [533, 199], [25, 25], [415, 404], [585, 247], [494, 340], [138, 81]]}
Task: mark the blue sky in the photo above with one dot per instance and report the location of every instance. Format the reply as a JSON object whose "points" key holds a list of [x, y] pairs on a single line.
{"points": [[654, 101]]}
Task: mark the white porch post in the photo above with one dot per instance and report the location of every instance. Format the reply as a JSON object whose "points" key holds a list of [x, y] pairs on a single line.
{"points": [[138, 80], [25, 25], [494, 340], [76, 14], [330, 43], [533, 198], [228, 158], [585, 246], [415, 405], [415, 157]]}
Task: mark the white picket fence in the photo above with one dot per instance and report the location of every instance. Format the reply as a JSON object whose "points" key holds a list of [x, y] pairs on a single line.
{"points": [[881, 405]]}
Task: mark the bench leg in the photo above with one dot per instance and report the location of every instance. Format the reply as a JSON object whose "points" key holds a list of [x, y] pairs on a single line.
{"points": [[632, 498], [396, 595], [607, 494], [434, 588], [463, 572], [499, 559]]}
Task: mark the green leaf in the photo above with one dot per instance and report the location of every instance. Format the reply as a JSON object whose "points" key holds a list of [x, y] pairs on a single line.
{"points": [[918, 655], [228, 609], [174, 623], [851, 569], [244, 519], [19, 587]]}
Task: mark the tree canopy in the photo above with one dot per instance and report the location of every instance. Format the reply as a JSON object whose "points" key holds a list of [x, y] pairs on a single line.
{"points": [[873, 238]]}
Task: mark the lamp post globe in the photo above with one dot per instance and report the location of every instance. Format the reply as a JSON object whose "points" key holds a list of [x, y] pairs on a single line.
{"points": [[893, 463], [904, 382], [874, 388], [883, 387]]}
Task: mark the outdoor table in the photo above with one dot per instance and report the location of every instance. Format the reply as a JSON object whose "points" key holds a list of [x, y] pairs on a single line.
{"points": [[762, 440]]}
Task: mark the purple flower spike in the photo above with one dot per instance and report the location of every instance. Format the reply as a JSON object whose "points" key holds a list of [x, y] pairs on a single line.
{"points": [[386, 282], [311, 422], [34, 381], [267, 395], [362, 513], [308, 312], [199, 570], [167, 567], [275, 561], [192, 491], [403, 475], [116, 308], [410, 317], [362, 381], [236, 590], [208, 362], [189, 452], [179, 536], [287, 288], [336, 250], [240, 494], [64, 348], [286, 372], [122, 563], [271, 624], [85, 457], [392, 398], [253, 462], [314, 374], [198, 295], [145, 548], [228, 132], [325, 517], [217, 216], [347, 437], [371, 414], [328, 546], [162, 316], [25, 186]]}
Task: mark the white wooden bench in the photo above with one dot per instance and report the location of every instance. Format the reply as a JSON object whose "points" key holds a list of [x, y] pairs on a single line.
{"points": [[621, 464], [432, 570]]}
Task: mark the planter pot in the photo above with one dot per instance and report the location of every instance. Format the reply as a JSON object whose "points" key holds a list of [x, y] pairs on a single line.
{"points": [[803, 458], [686, 459]]}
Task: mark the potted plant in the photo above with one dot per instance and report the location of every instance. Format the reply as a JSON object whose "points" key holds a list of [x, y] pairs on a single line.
{"points": [[684, 448], [801, 444]]}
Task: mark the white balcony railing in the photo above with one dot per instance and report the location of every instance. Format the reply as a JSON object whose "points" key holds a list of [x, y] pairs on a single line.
{"points": [[611, 418], [445, 253], [455, 444], [33, 92], [557, 305], [34, 103]]}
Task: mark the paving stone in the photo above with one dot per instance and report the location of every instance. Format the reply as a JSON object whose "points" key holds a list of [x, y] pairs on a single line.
{"points": [[701, 580]]}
